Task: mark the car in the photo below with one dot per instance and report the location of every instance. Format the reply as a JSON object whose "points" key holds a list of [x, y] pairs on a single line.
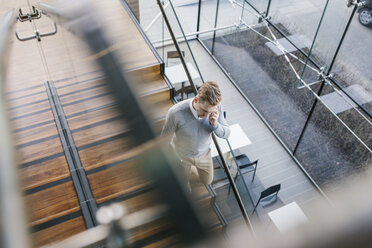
{"points": [[365, 13]]}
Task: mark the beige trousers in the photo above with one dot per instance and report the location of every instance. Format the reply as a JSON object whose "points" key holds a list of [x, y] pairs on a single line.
{"points": [[203, 164]]}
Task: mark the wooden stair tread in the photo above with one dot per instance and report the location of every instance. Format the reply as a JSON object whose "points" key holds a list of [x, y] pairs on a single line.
{"points": [[135, 53], [44, 172], [52, 202], [58, 232], [93, 117], [101, 132], [84, 94], [39, 150], [134, 202], [159, 232], [20, 102], [117, 180], [69, 88], [19, 93], [80, 78], [104, 153], [29, 108], [88, 103], [31, 120], [38, 175], [161, 109], [37, 133], [24, 65]]}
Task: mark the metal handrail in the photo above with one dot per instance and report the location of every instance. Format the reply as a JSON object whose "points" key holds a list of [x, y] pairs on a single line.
{"points": [[231, 180], [13, 231]]}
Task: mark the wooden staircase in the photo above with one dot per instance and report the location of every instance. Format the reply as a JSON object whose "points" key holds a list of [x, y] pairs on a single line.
{"points": [[98, 139]]}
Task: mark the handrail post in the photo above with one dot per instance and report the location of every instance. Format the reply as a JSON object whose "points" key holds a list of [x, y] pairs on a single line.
{"points": [[233, 185]]}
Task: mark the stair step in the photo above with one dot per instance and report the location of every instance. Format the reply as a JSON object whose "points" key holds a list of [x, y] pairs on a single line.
{"points": [[78, 84], [37, 133], [88, 135], [89, 103], [48, 204], [26, 93], [93, 117], [159, 95], [58, 232], [23, 106], [114, 181], [39, 150], [81, 95], [44, 172]]}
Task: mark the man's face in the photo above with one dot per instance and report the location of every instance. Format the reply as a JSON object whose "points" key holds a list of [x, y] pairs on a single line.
{"points": [[203, 109]]}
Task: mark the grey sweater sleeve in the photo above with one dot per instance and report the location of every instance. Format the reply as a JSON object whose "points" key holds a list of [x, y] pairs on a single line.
{"points": [[169, 127], [221, 128]]}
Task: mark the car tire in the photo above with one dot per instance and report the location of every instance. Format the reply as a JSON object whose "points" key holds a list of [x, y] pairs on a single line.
{"points": [[365, 16]]}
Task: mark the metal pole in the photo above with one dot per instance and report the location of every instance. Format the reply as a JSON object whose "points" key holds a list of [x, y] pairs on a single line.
{"points": [[215, 25], [268, 9], [198, 23], [233, 185], [308, 117], [342, 39], [241, 16]]}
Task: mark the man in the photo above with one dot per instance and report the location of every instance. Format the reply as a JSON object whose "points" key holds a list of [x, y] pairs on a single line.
{"points": [[189, 125]]}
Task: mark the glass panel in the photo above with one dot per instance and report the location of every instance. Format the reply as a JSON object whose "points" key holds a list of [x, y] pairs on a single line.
{"points": [[299, 18], [187, 13], [226, 199], [249, 15], [207, 20], [256, 63], [326, 41], [152, 22], [329, 151], [229, 13], [353, 63], [174, 69], [347, 111], [259, 5]]}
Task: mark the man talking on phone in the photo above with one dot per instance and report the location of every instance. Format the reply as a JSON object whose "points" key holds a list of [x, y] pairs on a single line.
{"points": [[189, 125]]}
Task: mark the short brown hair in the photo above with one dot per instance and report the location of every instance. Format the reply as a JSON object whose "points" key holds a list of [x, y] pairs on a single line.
{"points": [[210, 92]]}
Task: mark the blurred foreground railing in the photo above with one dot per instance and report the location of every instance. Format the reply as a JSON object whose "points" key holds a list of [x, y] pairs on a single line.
{"points": [[12, 219], [156, 161]]}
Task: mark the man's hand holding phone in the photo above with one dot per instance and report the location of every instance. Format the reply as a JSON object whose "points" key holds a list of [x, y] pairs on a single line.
{"points": [[213, 117]]}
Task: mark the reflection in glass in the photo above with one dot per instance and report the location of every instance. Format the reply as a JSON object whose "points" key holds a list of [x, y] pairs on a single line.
{"points": [[328, 36], [329, 151]]}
